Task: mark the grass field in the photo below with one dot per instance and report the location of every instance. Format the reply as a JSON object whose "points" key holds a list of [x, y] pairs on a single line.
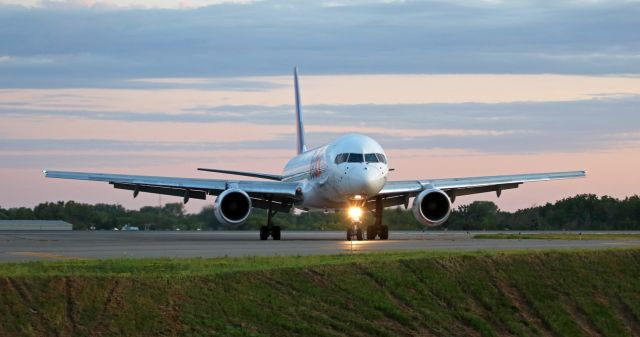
{"points": [[548, 293], [560, 236]]}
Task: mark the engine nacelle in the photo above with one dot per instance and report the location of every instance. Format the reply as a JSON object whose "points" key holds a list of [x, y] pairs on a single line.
{"points": [[232, 207], [431, 207]]}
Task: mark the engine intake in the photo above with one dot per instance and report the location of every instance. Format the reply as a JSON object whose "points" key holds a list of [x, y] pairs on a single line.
{"points": [[232, 206], [431, 207]]}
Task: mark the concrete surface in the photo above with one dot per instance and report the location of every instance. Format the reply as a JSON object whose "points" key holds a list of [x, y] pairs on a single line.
{"points": [[38, 245]]}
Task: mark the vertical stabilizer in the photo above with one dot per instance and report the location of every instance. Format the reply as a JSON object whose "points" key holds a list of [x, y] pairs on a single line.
{"points": [[299, 126]]}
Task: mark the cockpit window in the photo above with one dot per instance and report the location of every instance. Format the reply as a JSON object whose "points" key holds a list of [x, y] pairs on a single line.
{"points": [[360, 158], [341, 158], [371, 158], [355, 158]]}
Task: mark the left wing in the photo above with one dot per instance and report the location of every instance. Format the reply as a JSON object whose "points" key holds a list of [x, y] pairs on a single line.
{"points": [[398, 192], [282, 193]]}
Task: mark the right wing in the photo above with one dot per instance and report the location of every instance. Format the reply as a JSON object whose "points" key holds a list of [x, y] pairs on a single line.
{"points": [[283, 194], [398, 192]]}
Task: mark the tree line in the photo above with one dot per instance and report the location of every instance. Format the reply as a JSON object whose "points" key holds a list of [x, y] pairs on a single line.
{"points": [[582, 212]]}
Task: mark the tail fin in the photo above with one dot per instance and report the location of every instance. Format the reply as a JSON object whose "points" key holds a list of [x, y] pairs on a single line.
{"points": [[299, 126]]}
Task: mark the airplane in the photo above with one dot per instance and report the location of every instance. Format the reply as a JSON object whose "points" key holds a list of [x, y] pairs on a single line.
{"points": [[349, 173]]}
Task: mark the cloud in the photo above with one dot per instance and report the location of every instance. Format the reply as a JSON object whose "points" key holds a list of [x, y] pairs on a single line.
{"points": [[119, 4], [597, 124], [227, 84], [24, 61], [132, 87], [269, 37], [93, 148], [480, 113]]}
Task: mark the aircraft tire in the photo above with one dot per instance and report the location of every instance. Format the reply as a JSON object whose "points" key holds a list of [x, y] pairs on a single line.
{"points": [[384, 232], [264, 233], [275, 234], [349, 234], [359, 234], [371, 232]]}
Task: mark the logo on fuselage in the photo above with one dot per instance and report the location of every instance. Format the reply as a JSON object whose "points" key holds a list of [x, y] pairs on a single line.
{"points": [[317, 165]]}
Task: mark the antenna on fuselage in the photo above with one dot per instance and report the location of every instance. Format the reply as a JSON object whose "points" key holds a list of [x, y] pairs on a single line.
{"points": [[299, 126]]}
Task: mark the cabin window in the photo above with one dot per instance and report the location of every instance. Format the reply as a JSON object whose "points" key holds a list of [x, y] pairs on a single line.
{"points": [[371, 158], [341, 158], [355, 158], [381, 158]]}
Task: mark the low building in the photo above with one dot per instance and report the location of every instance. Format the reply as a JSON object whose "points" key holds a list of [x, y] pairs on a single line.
{"points": [[35, 225]]}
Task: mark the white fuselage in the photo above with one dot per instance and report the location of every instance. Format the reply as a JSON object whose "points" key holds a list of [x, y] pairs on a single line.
{"points": [[351, 167]]}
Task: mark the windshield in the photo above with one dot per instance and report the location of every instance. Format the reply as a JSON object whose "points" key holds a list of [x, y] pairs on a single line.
{"points": [[371, 158], [355, 158], [341, 158], [360, 158]]}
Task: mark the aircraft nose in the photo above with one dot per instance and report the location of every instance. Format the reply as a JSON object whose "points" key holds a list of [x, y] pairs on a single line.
{"points": [[367, 180]]}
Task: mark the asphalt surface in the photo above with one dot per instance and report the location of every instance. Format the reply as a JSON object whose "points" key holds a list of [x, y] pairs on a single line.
{"points": [[40, 245]]}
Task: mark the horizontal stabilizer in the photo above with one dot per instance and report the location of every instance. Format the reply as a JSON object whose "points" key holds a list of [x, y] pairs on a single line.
{"points": [[246, 174]]}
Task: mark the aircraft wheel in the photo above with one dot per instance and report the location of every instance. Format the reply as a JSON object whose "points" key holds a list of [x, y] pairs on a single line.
{"points": [[264, 233], [275, 233], [371, 232], [384, 232], [359, 234], [349, 234]]}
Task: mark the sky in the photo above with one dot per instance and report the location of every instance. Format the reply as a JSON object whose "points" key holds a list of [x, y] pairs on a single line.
{"points": [[449, 89]]}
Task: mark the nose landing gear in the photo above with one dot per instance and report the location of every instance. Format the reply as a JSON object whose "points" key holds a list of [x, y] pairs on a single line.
{"points": [[354, 231], [377, 229]]}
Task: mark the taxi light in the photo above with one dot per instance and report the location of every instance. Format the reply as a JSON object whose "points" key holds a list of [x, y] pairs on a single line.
{"points": [[355, 213]]}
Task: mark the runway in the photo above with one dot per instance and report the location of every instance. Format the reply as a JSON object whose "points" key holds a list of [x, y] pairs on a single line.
{"points": [[38, 245]]}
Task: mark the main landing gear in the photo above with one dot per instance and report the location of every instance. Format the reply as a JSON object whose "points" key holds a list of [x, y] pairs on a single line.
{"points": [[377, 229], [270, 230]]}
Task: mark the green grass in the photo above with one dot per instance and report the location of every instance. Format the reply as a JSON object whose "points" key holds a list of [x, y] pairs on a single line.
{"points": [[559, 236], [523, 293], [210, 266]]}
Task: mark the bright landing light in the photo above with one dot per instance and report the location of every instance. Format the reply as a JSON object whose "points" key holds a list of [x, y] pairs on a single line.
{"points": [[355, 213]]}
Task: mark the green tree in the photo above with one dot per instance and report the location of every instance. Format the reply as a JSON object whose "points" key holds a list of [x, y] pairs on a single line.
{"points": [[586, 211]]}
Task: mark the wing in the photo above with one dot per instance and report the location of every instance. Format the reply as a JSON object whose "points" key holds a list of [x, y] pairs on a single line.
{"points": [[282, 193], [246, 174], [399, 192]]}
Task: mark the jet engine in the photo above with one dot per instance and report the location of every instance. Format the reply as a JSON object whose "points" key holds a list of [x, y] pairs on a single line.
{"points": [[431, 207], [232, 206]]}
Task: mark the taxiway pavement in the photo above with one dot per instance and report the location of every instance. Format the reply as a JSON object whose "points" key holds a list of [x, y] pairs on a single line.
{"points": [[37, 245]]}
